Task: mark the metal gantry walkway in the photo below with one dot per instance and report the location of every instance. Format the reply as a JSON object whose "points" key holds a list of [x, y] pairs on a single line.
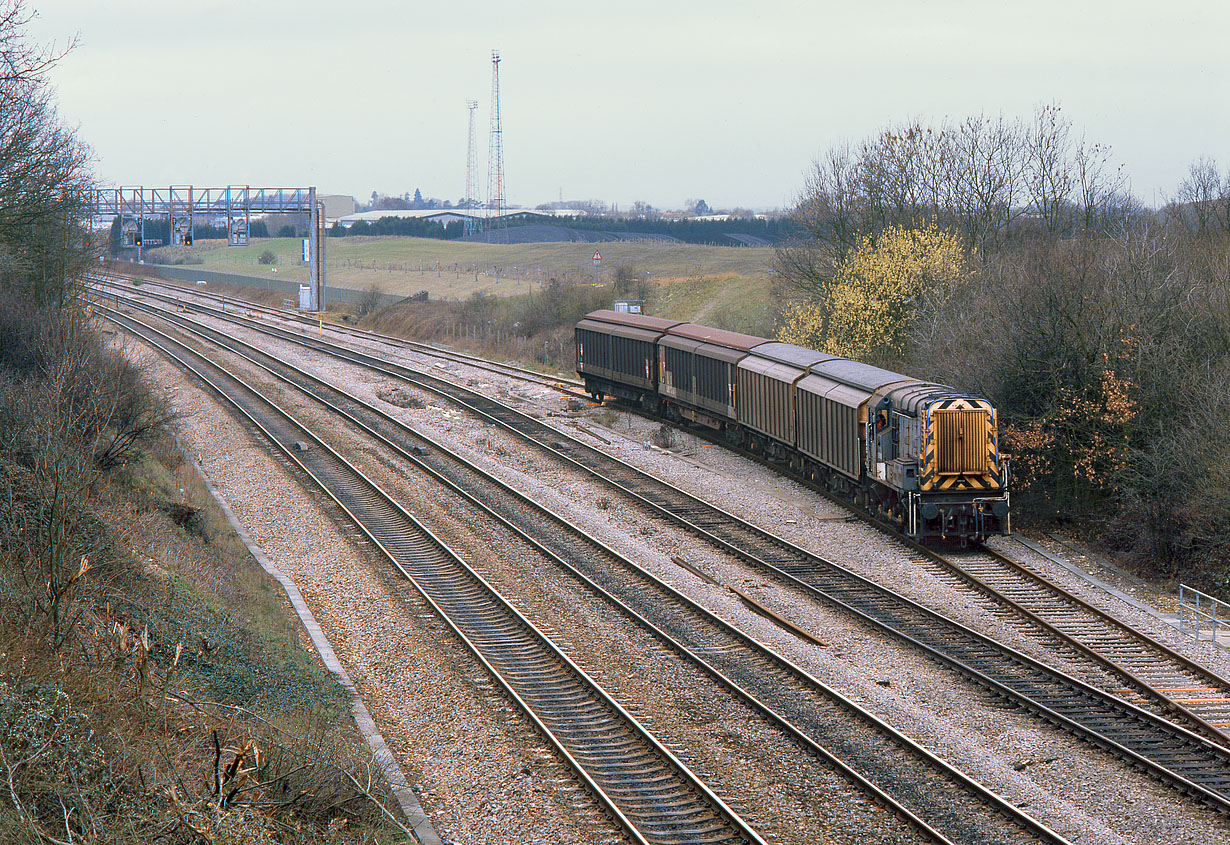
{"points": [[185, 204]]}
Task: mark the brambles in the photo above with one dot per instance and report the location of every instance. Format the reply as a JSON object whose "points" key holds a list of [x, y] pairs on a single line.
{"points": [[369, 300], [162, 720]]}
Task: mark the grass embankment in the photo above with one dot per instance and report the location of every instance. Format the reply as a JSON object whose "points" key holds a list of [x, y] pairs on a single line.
{"points": [[689, 281], [154, 682]]}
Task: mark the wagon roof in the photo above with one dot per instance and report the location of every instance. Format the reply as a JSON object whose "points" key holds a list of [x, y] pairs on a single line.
{"points": [[639, 321], [788, 353], [619, 330], [844, 394], [858, 374], [734, 340], [721, 353]]}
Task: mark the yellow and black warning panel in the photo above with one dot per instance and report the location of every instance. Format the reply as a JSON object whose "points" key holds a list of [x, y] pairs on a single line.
{"points": [[960, 451]]}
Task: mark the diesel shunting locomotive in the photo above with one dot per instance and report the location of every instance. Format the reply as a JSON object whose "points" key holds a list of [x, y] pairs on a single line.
{"points": [[921, 455]]}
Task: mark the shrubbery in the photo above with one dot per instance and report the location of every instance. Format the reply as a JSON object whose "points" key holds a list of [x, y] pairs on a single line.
{"points": [[535, 327], [878, 293], [1101, 331]]}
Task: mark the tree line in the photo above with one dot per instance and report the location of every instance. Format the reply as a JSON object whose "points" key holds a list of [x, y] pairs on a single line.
{"points": [[714, 232], [1007, 258], [44, 172]]}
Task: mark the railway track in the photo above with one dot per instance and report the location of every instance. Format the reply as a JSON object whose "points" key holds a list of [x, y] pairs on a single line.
{"points": [[571, 386], [938, 801], [637, 779], [1170, 752], [1158, 673]]}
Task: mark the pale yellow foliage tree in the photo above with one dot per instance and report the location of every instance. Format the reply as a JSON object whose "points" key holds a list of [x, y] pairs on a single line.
{"points": [[878, 293], [803, 323]]}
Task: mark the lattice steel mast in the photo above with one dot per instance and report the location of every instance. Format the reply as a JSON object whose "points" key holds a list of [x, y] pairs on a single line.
{"points": [[471, 201], [496, 202]]}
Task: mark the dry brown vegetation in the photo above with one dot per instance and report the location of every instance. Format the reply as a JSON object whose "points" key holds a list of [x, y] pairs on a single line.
{"points": [[538, 327], [151, 685], [535, 328]]}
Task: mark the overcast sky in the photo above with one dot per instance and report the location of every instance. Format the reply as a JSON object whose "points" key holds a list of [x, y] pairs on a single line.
{"points": [[619, 101]]}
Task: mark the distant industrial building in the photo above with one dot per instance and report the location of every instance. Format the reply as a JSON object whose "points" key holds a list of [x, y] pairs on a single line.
{"points": [[338, 205]]}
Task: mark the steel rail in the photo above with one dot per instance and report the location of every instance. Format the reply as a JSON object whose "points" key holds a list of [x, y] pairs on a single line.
{"points": [[574, 387], [1158, 676], [644, 786], [763, 679], [1153, 670]]}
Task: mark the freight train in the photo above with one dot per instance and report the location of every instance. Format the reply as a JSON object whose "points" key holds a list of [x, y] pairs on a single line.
{"points": [[920, 455]]}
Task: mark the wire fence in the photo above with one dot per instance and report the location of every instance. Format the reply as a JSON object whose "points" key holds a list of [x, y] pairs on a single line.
{"points": [[1203, 616]]}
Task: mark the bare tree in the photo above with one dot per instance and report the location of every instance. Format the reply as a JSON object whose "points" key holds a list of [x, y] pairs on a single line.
{"points": [[804, 269], [892, 169], [1048, 174], [979, 176], [830, 205], [940, 175], [1099, 182], [1223, 204], [369, 300], [987, 178], [829, 225], [44, 174], [1202, 202], [21, 61]]}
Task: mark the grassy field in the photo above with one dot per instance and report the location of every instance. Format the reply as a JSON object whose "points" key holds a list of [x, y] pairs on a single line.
{"points": [[728, 285]]}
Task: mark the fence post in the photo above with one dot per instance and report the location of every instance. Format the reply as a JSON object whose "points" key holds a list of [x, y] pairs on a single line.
{"points": [[1181, 606]]}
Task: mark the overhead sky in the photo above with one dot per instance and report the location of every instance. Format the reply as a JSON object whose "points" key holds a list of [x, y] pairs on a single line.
{"points": [[659, 101]]}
